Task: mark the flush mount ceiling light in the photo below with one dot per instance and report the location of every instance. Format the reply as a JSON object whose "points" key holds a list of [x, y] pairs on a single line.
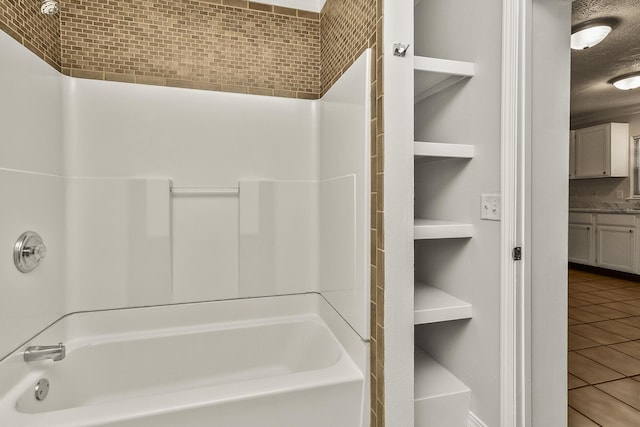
{"points": [[590, 33], [627, 81], [49, 7]]}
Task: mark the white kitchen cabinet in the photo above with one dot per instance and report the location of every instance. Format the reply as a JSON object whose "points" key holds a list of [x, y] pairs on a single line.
{"points": [[616, 248], [582, 248], [572, 154], [602, 151], [581, 244]]}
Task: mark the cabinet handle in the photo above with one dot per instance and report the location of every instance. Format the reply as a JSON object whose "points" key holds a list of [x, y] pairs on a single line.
{"points": [[604, 172], [588, 228]]}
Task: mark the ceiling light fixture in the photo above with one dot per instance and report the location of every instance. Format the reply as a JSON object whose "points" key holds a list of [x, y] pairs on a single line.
{"points": [[627, 81], [590, 33]]}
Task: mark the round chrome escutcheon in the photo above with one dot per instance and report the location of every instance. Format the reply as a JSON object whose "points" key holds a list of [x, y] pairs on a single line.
{"points": [[28, 251], [42, 389]]}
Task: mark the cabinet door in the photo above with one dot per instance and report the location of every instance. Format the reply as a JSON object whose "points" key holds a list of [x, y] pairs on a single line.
{"points": [[572, 154], [592, 152], [616, 248], [581, 244]]}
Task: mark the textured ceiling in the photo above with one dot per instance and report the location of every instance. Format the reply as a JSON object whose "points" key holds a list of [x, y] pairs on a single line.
{"points": [[618, 54]]}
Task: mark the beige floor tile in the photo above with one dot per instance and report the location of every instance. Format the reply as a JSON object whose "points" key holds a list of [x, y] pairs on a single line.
{"points": [[605, 284], [586, 275], [578, 342], [610, 295], [576, 419], [603, 311], [613, 359], [623, 307], [573, 302], [572, 322], [597, 334], [584, 316], [620, 328], [575, 382], [632, 348], [589, 370], [631, 321], [634, 302], [632, 292], [577, 287], [599, 297], [602, 408], [626, 390]]}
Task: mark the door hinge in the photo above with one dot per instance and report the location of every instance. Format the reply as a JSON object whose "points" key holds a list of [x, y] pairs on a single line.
{"points": [[517, 253]]}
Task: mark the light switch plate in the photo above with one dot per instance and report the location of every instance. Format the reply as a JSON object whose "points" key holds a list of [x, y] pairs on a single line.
{"points": [[490, 209]]}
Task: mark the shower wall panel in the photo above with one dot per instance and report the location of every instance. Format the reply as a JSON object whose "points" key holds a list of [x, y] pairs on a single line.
{"points": [[198, 139], [31, 191]]}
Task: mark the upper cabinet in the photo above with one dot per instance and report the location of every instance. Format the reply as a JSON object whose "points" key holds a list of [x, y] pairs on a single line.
{"points": [[601, 151]]}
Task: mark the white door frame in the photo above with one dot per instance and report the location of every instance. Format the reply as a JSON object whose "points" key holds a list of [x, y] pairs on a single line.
{"points": [[512, 135], [535, 119]]}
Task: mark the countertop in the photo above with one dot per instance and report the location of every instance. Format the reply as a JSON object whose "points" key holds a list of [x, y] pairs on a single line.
{"points": [[606, 211]]}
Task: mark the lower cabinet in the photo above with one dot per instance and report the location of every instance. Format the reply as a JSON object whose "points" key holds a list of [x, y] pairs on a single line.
{"points": [[581, 244], [616, 248], [604, 240]]}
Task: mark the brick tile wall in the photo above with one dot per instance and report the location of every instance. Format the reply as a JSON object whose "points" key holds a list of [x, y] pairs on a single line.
{"points": [[22, 20], [346, 29], [228, 45]]}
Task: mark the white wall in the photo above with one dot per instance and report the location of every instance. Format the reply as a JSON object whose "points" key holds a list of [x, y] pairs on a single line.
{"points": [[31, 157], [547, 210]]}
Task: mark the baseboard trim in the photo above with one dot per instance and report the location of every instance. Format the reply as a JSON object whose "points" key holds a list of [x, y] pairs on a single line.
{"points": [[474, 421], [605, 272]]}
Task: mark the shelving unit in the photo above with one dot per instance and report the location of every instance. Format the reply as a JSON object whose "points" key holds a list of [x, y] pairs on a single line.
{"points": [[434, 229], [438, 394], [439, 150], [431, 305], [433, 75], [440, 398]]}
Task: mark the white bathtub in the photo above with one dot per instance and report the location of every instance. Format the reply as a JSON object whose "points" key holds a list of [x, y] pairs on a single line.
{"points": [[259, 362]]}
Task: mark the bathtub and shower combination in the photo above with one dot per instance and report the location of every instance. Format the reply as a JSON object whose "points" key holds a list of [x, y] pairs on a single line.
{"points": [[285, 361], [145, 345]]}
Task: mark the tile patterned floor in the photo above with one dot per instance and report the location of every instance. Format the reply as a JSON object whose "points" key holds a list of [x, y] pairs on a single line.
{"points": [[604, 351]]}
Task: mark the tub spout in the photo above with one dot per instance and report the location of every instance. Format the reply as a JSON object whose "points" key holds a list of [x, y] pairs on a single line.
{"points": [[44, 352]]}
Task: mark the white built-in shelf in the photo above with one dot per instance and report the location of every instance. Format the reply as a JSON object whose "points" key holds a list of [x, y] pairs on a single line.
{"points": [[440, 398], [433, 75], [433, 305], [434, 229], [437, 150]]}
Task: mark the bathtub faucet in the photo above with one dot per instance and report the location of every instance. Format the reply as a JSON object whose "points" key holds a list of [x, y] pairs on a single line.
{"points": [[44, 352]]}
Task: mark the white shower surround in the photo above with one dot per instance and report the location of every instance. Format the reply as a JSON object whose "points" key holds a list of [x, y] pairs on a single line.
{"points": [[106, 158]]}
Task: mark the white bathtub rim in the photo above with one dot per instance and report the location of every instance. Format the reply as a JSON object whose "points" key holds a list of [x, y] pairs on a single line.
{"points": [[314, 302], [157, 404]]}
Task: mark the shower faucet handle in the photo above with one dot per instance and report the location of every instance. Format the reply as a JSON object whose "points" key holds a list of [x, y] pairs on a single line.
{"points": [[38, 252], [28, 251]]}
